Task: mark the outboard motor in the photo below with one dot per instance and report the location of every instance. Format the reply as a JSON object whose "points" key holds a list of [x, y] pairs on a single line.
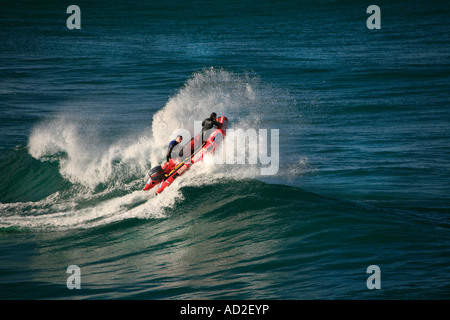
{"points": [[157, 174], [154, 176]]}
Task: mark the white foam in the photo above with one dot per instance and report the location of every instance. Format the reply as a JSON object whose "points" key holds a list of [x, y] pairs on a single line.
{"points": [[83, 159], [87, 162], [212, 90], [137, 204]]}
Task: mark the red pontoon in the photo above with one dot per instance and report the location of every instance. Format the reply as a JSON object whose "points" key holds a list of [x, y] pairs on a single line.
{"points": [[164, 175]]}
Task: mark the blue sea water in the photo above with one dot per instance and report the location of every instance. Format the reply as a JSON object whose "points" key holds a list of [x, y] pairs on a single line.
{"points": [[363, 178]]}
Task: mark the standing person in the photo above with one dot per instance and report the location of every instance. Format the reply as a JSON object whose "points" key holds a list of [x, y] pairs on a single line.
{"points": [[208, 123]]}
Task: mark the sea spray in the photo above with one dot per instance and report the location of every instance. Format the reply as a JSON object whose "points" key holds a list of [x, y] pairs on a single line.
{"points": [[83, 158], [107, 175], [211, 90], [244, 99]]}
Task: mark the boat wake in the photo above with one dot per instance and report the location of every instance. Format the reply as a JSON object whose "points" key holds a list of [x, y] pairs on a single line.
{"points": [[104, 179]]}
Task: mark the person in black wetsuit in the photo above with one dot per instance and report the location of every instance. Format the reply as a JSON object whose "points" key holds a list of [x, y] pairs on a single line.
{"points": [[172, 145], [208, 123]]}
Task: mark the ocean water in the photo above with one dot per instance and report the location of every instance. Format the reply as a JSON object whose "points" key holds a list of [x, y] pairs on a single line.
{"points": [[363, 174]]}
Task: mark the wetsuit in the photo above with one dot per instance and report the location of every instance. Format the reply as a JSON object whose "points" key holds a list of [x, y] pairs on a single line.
{"points": [[207, 124], [172, 145]]}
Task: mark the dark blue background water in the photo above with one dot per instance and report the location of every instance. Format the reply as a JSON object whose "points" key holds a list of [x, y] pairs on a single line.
{"points": [[364, 150]]}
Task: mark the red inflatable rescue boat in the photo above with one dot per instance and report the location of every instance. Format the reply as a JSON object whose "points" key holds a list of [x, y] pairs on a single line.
{"points": [[164, 175]]}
